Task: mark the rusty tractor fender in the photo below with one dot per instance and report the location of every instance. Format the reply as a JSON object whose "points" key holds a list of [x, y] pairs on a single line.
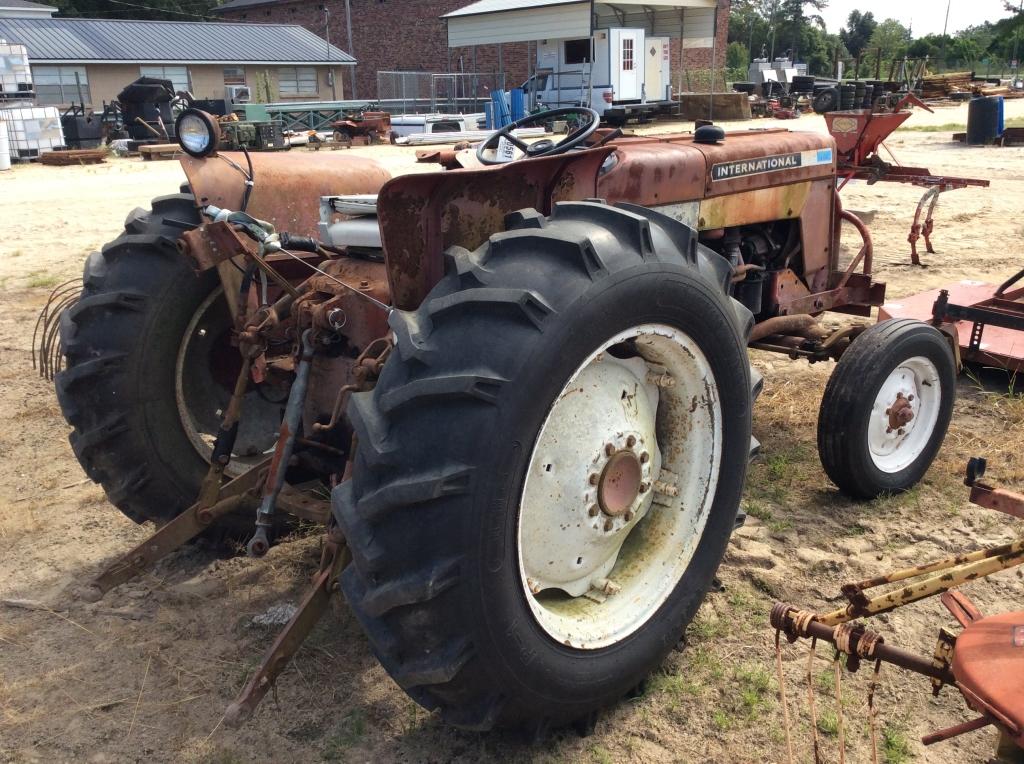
{"points": [[423, 214], [288, 185]]}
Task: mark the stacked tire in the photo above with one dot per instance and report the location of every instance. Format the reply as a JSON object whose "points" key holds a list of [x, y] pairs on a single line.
{"points": [[802, 85], [848, 96]]}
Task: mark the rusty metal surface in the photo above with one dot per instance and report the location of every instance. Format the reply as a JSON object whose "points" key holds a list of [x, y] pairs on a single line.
{"points": [[651, 173], [999, 347], [335, 556], [956, 730], [211, 244], [998, 499], [235, 495], [764, 205], [288, 185], [857, 297], [820, 245], [421, 215], [798, 624], [988, 664]]}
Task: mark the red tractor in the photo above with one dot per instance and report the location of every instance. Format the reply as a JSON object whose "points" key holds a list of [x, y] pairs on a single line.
{"points": [[525, 388]]}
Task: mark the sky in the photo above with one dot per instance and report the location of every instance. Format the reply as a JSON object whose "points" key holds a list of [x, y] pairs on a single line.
{"points": [[927, 15]]}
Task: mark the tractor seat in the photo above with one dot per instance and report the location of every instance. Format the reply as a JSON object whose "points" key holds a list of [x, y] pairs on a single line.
{"points": [[989, 663]]}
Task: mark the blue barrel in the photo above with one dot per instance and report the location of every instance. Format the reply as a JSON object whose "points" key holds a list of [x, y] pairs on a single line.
{"points": [[983, 120], [518, 104], [1002, 115]]}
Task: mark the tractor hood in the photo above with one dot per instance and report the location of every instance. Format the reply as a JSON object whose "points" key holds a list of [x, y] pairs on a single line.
{"points": [[288, 185]]}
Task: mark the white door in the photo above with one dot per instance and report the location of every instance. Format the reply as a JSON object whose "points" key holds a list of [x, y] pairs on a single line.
{"points": [[627, 63], [656, 69]]}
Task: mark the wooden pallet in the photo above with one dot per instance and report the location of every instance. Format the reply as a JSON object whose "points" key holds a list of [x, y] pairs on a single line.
{"points": [[159, 151], [78, 156]]}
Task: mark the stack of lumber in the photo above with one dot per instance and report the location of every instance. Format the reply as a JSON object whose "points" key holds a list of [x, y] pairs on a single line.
{"points": [[152, 152], [80, 156], [942, 85]]}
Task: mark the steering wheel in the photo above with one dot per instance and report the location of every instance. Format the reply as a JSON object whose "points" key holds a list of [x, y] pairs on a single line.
{"points": [[546, 147]]}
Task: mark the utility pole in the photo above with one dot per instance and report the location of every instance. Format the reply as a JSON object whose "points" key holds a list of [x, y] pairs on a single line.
{"points": [[945, 27], [351, 47], [327, 36], [1016, 41]]}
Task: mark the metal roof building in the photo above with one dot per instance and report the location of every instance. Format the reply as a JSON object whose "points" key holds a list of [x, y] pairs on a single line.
{"points": [[25, 9], [74, 40], [100, 56]]}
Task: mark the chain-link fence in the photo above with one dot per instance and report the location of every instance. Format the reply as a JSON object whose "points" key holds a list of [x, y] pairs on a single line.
{"points": [[419, 92]]}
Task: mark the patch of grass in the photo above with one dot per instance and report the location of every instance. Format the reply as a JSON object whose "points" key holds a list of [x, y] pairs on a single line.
{"points": [[704, 628], [601, 755], [349, 733], [675, 686], [721, 720], [828, 723], [895, 745], [40, 279], [755, 682], [17, 253], [222, 756], [766, 516]]}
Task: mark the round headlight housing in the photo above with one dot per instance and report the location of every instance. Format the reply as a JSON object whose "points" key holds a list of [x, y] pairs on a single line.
{"points": [[198, 132]]}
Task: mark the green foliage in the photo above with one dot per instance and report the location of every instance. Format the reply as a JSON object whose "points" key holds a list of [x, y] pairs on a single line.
{"points": [[171, 10], [737, 56], [858, 31]]}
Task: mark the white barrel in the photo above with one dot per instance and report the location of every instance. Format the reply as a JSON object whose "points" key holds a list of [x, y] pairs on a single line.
{"points": [[5, 147]]}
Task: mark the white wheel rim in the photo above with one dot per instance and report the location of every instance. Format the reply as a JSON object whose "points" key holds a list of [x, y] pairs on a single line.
{"points": [[595, 566], [913, 390]]}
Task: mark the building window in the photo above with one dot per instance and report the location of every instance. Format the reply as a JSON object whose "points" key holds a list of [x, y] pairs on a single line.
{"points": [[178, 75], [627, 54], [58, 85], [234, 75], [577, 51], [297, 81]]}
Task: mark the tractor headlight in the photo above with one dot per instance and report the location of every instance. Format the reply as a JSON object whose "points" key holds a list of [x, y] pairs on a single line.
{"points": [[198, 132]]}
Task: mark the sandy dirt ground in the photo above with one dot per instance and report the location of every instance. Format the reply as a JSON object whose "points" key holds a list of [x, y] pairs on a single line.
{"points": [[145, 675]]}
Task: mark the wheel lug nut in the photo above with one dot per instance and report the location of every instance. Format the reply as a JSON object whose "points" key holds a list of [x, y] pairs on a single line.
{"points": [[888, 412], [629, 517], [644, 488], [888, 430], [910, 398], [609, 449], [901, 431], [594, 511], [630, 441], [645, 457], [608, 524], [595, 479]]}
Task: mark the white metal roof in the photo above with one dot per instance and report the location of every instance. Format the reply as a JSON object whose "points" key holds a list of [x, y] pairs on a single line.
{"points": [[498, 6], [488, 22]]}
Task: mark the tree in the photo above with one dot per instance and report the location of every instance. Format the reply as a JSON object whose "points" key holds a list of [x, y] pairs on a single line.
{"points": [[174, 10], [858, 31], [737, 56]]}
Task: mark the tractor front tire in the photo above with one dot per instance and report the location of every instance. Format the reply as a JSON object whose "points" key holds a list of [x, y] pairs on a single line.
{"points": [[550, 467], [886, 408]]}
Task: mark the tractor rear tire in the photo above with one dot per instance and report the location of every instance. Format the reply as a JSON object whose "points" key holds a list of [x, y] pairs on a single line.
{"points": [[456, 429], [896, 364], [130, 373]]}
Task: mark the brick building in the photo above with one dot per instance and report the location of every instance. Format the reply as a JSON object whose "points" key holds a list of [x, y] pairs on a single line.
{"points": [[411, 35]]}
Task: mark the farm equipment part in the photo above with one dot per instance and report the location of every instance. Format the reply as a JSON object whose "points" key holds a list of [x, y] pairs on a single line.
{"points": [[986, 320], [524, 387], [365, 129], [985, 662], [860, 133]]}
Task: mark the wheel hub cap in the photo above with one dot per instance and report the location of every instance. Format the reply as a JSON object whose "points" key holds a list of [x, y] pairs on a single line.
{"points": [[619, 485]]}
